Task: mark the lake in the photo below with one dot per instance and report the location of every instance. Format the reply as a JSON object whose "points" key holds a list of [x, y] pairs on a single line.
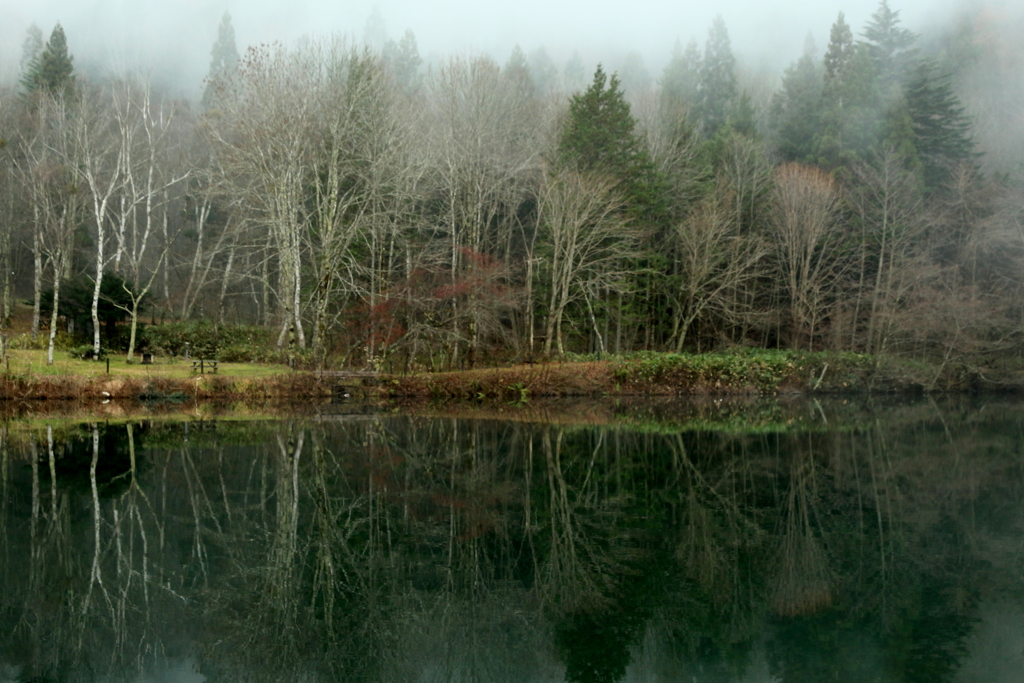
{"points": [[858, 539]]}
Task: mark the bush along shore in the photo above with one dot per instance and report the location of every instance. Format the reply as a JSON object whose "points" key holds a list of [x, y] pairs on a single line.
{"points": [[732, 372]]}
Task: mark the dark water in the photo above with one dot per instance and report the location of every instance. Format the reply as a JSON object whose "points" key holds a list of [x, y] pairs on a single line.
{"points": [[842, 541]]}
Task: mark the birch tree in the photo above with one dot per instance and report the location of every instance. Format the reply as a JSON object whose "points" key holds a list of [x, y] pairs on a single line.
{"points": [[57, 199], [268, 112], [98, 154], [146, 129]]}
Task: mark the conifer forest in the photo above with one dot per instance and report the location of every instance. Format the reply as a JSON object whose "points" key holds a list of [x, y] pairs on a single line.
{"points": [[361, 206]]}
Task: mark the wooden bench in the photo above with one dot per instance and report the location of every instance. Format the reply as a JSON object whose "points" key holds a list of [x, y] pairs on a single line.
{"points": [[202, 365]]}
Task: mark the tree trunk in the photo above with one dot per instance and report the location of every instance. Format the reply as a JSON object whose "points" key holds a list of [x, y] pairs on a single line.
{"points": [[57, 270], [37, 274]]}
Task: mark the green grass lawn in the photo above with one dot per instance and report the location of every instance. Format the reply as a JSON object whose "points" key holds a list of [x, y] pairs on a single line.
{"points": [[34, 362]]}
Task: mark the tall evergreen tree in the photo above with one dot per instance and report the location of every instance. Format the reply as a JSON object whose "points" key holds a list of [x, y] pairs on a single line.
{"points": [[517, 63], [53, 71], [839, 54], [940, 125], [636, 78], [680, 78], [31, 48], [575, 74], [796, 109], [849, 110], [375, 33], [542, 70], [600, 137], [892, 55], [717, 88], [223, 59], [891, 49], [404, 60]]}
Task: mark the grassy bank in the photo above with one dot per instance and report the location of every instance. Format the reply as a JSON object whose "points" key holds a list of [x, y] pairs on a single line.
{"points": [[739, 372], [26, 376], [734, 372]]}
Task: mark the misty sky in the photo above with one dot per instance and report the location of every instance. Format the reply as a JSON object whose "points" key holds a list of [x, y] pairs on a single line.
{"points": [[171, 39]]}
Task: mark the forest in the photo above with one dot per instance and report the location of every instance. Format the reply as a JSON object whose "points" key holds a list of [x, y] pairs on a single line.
{"points": [[357, 207]]}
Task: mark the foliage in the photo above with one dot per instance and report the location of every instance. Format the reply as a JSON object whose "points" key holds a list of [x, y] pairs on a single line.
{"points": [[600, 137], [230, 343], [52, 70], [75, 306], [717, 87], [762, 370], [85, 351]]}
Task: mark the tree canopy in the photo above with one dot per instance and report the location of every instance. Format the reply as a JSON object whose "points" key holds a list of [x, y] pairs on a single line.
{"points": [[600, 137], [50, 70], [223, 58]]}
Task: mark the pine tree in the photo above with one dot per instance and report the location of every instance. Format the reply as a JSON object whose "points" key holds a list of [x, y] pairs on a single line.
{"points": [[517, 63], [796, 109], [575, 73], [31, 49], [404, 60], [680, 78], [542, 70], [517, 71], [717, 85], [900, 77], [375, 33], [940, 125], [850, 108], [600, 137], [53, 70], [223, 59], [636, 78], [891, 49], [839, 54]]}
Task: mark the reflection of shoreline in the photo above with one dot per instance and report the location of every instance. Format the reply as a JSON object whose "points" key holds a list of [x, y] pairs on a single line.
{"points": [[389, 545], [731, 414]]}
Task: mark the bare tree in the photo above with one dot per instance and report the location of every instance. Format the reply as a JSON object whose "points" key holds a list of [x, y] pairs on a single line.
{"points": [[486, 130], [54, 193], [263, 139], [807, 238], [146, 132], [887, 198], [98, 156], [588, 242], [711, 260]]}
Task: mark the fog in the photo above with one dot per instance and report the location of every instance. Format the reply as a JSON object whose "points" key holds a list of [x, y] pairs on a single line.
{"points": [[171, 40]]}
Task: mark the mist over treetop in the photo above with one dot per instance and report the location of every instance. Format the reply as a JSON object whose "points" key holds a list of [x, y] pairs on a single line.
{"points": [[171, 41]]}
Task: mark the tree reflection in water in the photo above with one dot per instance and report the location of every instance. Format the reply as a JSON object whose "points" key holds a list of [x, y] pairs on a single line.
{"points": [[403, 548]]}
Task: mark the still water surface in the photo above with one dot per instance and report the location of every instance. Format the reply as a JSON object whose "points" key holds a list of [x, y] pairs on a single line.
{"points": [[820, 541]]}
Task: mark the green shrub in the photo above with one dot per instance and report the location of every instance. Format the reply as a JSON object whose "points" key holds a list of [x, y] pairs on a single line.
{"points": [[247, 343], [26, 342], [62, 342], [84, 352]]}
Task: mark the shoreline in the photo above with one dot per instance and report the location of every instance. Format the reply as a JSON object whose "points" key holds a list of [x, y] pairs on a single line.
{"points": [[741, 372]]}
